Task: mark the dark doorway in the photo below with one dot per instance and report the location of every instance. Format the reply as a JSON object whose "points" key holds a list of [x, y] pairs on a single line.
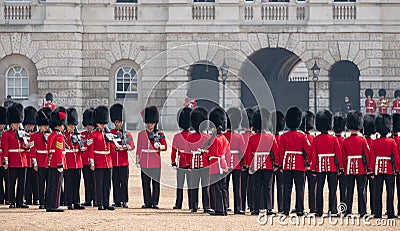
{"points": [[344, 81], [275, 65], [204, 85]]}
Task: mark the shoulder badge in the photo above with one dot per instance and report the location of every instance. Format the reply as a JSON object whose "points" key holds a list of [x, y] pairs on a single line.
{"points": [[59, 145]]}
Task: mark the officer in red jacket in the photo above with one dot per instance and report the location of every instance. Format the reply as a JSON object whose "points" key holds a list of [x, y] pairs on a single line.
{"points": [[339, 124], [396, 102], [235, 164], [294, 156], [383, 103], [100, 158], [88, 175], [247, 179], [370, 105], [263, 148], [368, 131], [279, 119], [385, 161], [14, 150], [356, 155], [73, 161], [49, 101], [149, 145], [197, 142], [326, 162], [31, 184], [120, 156], [56, 149], [180, 160], [396, 138], [38, 151], [3, 172]]}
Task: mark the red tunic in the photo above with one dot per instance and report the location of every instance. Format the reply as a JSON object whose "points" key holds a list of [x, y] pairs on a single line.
{"points": [[325, 149], [147, 154], [238, 150], [13, 150], [99, 150], [27, 152], [382, 150], [353, 147], [52, 106], [56, 149], [38, 149], [85, 136], [217, 154], [259, 149], [178, 147], [121, 158], [246, 136], [195, 141], [370, 106], [73, 158], [292, 146], [396, 106], [383, 104]]}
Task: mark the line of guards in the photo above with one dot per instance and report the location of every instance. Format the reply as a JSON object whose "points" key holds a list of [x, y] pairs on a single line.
{"points": [[36, 162]]}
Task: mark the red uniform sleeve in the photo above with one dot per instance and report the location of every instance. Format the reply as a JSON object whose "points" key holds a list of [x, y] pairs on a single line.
{"points": [[281, 152], [367, 153], [5, 144], [344, 155], [174, 150], [242, 150], [163, 141], [307, 148], [139, 147], [32, 145], [395, 152], [249, 154], [314, 154], [372, 157], [130, 143], [59, 148], [275, 150], [339, 154], [90, 145]]}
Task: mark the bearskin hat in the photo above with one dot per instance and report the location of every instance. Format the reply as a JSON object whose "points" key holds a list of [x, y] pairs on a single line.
{"points": [[88, 117], [234, 117], [151, 114], [382, 124], [382, 92], [100, 115], [29, 115], [396, 93], [279, 120], [293, 118], [353, 120], [261, 119], [369, 124], [218, 117], [339, 123], [58, 117], [323, 121], [116, 112], [49, 96], [369, 92], [72, 116], [3, 115], [43, 116], [198, 116], [15, 113], [184, 118], [307, 121], [396, 123], [247, 118]]}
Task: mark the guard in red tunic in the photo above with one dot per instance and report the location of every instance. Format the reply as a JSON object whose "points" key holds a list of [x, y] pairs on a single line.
{"points": [[73, 161], [3, 172], [396, 102], [180, 160], [31, 184], [100, 158], [56, 149], [263, 148], [88, 175], [38, 151], [339, 124], [356, 160], [247, 179], [236, 163], [383, 103], [368, 131], [149, 145], [294, 157], [370, 105], [49, 101], [396, 138], [279, 126], [197, 143], [326, 162], [15, 144], [385, 162], [307, 124], [120, 156]]}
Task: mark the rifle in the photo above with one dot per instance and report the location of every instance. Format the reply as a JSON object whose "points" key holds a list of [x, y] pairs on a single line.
{"points": [[364, 161], [76, 139], [21, 134], [109, 137], [46, 135], [304, 154], [336, 161], [393, 165]]}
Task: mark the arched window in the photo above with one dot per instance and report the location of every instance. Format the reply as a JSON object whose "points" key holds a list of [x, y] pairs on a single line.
{"points": [[126, 83], [17, 82]]}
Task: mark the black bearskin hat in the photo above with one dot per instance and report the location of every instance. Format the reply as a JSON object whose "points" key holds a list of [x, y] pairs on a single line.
{"points": [[49, 96], [15, 113], [116, 112], [293, 118], [279, 120], [43, 116], [382, 124], [88, 117], [184, 118], [339, 123], [218, 117], [369, 92], [72, 116], [29, 115], [382, 92], [151, 114], [58, 117], [247, 118], [323, 121], [369, 124], [307, 121], [234, 117], [198, 116], [3, 115], [353, 120], [100, 115], [396, 123], [396, 93], [261, 119]]}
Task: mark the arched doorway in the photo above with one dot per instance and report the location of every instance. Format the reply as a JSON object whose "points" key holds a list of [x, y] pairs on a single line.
{"points": [[204, 85], [280, 68], [344, 81]]}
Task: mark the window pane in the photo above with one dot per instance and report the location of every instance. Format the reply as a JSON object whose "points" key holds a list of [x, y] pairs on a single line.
{"points": [[119, 87], [25, 92], [133, 87]]}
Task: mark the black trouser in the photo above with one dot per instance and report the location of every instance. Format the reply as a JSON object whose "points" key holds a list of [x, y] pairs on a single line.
{"points": [[342, 188], [278, 178], [288, 177], [361, 193], [151, 176], [3, 188], [102, 177], [244, 179], [42, 179], [225, 191], [332, 186], [197, 175], [88, 180], [389, 182], [181, 173], [53, 192], [217, 197], [398, 193], [16, 176], [120, 176], [262, 185], [72, 182], [312, 189], [31, 186], [371, 183], [250, 191], [237, 181]]}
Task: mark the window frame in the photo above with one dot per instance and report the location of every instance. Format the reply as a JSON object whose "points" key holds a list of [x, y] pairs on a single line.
{"points": [[21, 87], [131, 94]]}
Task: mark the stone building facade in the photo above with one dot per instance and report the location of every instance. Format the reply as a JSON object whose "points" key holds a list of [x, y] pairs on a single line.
{"points": [[142, 52]]}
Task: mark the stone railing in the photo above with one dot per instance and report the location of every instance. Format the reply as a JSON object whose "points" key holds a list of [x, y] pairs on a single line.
{"points": [[275, 12], [300, 13], [125, 12], [203, 12], [344, 12], [298, 79], [17, 12], [248, 13], [272, 12]]}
